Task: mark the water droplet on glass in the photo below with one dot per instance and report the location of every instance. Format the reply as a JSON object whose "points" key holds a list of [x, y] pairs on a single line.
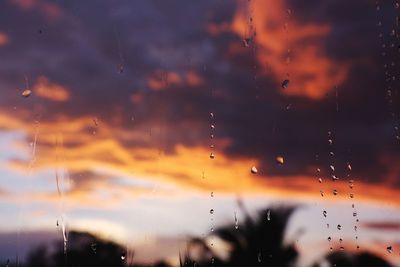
{"points": [[211, 115], [212, 126], [120, 68], [212, 156], [332, 168], [211, 211], [335, 192], [335, 178], [93, 246], [354, 214], [247, 42], [212, 194], [259, 257], [349, 167], [341, 248], [339, 227], [329, 238], [324, 213], [320, 180], [285, 84], [236, 222], [389, 249], [254, 170], [321, 192], [330, 141], [26, 93], [351, 195], [280, 160], [268, 215]]}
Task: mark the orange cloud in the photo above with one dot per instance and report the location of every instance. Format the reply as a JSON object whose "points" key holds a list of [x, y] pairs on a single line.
{"points": [[3, 39], [163, 79], [50, 10], [187, 168], [286, 46], [46, 89], [160, 80]]}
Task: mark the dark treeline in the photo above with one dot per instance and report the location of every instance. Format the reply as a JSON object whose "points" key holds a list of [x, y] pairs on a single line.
{"points": [[258, 242]]}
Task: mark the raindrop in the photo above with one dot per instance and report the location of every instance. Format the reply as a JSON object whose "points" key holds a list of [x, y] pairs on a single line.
{"points": [[254, 170], [285, 84], [332, 168], [334, 177], [123, 257], [211, 211], [26, 93], [321, 192], [324, 213], [212, 194], [329, 238], [259, 257], [330, 141], [335, 192], [320, 180], [93, 246], [212, 126], [340, 240], [268, 215], [389, 249], [247, 42], [318, 170], [351, 195], [211, 115], [212, 156], [280, 160], [236, 222], [341, 248], [211, 146], [57, 224], [339, 227], [120, 68], [397, 5], [331, 153], [349, 167], [354, 214]]}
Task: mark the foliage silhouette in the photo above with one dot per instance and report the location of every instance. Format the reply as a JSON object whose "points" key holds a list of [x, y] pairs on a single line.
{"points": [[342, 259], [255, 243]]}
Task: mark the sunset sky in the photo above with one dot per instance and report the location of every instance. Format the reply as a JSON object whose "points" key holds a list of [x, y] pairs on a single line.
{"points": [[129, 100]]}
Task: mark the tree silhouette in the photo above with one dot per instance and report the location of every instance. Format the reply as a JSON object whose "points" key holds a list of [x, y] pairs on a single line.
{"points": [[84, 249], [342, 259], [255, 243]]}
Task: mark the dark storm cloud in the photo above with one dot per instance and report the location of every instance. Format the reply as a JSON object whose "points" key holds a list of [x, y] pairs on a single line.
{"points": [[82, 49]]}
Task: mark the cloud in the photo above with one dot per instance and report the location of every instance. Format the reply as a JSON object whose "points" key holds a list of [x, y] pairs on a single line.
{"points": [[3, 39], [46, 89]]}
